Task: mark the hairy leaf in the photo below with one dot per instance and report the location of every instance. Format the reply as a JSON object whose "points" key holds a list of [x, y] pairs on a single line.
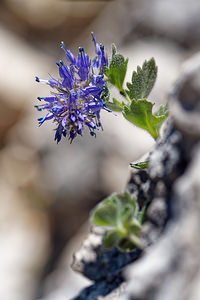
{"points": [[141, 214], [106, 212], [140, 114], [119, 213], [126, 213], [142, 80], [135, 226], [111, 239], [117, 70], [114, 49], [125, 198], [115, 105], [126, 245]]}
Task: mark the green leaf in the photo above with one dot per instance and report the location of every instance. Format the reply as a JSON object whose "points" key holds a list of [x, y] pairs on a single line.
{"points": [[126, 197], [140, 114], [136, 240], [126, 214], [106, 212], [117, 70], [120, 213], [126, 245], [111, 239], [114, 49], [115, 105], [143, 80], [135, 226], [140, 165], [141, 214]]}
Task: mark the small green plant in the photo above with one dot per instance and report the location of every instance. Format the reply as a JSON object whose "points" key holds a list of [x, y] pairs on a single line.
{"points": [[135, 107], [120, 215], [140, 165]]}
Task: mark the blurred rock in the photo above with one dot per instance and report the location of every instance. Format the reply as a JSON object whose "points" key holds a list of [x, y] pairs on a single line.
{"points": [[63, 282], [176, 20], [183, 16], [20, 63], [48, 22], [19, 165], [9, 116], [50, 14], [24, 245], [133, 20], [16, 81]]}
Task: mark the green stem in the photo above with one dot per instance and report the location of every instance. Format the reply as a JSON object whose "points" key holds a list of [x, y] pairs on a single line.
{"points": [[151, 130], [124, 94], [136, 241], [153, 133]]}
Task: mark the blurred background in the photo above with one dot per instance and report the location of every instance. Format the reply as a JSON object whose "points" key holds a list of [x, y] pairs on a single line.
{"points": [[48, 190]]}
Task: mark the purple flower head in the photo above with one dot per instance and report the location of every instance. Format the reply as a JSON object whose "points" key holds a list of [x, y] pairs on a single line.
{"points": [[75, 102]]}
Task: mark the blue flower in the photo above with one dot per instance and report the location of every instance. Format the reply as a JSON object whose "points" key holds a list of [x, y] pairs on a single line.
{"points": [[75, 102]]}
